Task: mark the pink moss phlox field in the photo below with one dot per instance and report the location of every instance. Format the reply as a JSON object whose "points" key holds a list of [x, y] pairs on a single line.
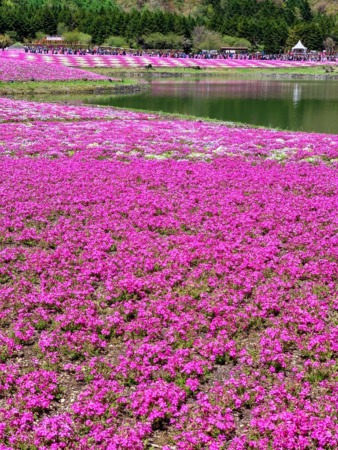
{"points": [[117, 134], [14, 111], [129, 61], [26, 70], [165, 281]]}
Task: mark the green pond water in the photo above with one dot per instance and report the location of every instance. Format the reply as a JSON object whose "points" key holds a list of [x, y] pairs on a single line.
{"points": [[308, 105]]}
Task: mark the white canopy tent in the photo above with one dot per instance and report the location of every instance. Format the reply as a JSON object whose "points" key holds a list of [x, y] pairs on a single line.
{"points": [[18, 47], [299, 47]]}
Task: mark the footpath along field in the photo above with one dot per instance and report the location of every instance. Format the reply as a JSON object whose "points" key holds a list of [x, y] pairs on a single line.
{"points": [[165, 281], [129, 62]]}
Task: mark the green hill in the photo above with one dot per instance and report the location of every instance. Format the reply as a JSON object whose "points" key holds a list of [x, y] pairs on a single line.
{"points": [[325, 6], [195, 7], [185, 7], [272, 25]]}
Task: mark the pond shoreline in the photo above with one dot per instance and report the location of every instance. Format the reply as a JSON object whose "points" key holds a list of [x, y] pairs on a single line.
{"points": [[318, 73], [288, 101], [300, 76], [74, 87]]}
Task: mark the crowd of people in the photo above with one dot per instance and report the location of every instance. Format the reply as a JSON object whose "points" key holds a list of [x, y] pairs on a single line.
{"points": [[204, 54], [42, 49]]}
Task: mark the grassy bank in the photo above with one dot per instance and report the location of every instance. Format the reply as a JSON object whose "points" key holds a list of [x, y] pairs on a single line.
{"points": [[296, 72], [69, 87]]}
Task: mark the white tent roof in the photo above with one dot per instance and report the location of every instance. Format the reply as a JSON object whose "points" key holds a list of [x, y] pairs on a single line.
{"points": [[17, 47], [299, 46]]}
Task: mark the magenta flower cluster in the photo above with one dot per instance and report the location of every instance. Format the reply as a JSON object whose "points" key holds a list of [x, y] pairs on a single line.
{"points": [[130, 61], [165, 282], [26, 70], [114, 134], [24, 111]]}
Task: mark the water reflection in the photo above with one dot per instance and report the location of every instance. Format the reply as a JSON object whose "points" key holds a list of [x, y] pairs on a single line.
{"points": [[297, 105], [297, 94], [253, 88]]}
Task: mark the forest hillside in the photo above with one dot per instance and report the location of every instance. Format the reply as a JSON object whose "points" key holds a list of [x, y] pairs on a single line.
{"points": [[266, 25]]}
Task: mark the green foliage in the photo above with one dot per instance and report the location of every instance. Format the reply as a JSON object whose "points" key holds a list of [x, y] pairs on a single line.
{"points": [[4, 278], [293, 37], [265, 23], [76, 37], [5, 40], [204, 39], [274, 36], [233, 41], [40, 35], [312, 36], [212, 41], [329, 44], [163, 41], [305, 10], [116, 41], [315, 376], [61, 29]]}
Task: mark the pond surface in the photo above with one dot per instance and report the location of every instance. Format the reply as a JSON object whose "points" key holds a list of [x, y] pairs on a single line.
{"points": [[286, 104]]}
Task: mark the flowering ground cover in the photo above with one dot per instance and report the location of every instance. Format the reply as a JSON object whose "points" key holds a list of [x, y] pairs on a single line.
{"points": [[13, 111], [165, 282], [128, 61], [25, 70]]}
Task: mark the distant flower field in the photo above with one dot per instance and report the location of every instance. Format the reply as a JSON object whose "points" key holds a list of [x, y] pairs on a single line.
{"points": [[129, 61], [165, 281], [27, 70]]}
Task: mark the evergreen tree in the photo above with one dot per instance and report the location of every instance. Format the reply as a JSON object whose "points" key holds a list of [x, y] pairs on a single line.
{"points": [[264, 22], [48, 20], [289, 12], [65, 16], [294, 35], [178, 25], [120, 24], [251, 30], [133, 29], [326, 24], [274, 36], [305, 10], [231, 26], [312, 36]]}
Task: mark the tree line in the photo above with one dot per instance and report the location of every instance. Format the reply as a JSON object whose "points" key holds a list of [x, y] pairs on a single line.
{"points": [[272, 26]]}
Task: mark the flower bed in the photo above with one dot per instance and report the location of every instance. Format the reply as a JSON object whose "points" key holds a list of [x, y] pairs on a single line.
{"points": [[27, 70], [145, 135], [189, 301], [128, 62], [12, 111]]}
